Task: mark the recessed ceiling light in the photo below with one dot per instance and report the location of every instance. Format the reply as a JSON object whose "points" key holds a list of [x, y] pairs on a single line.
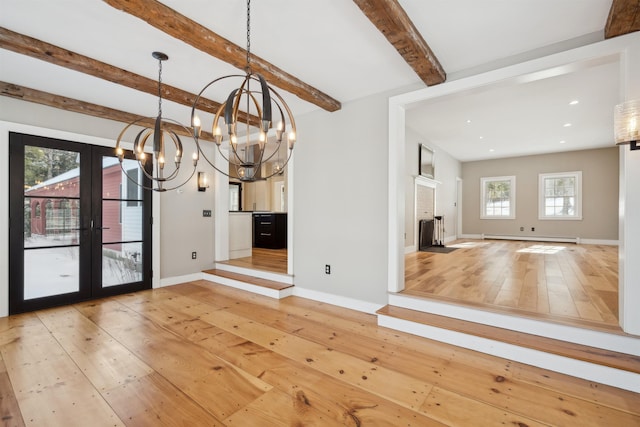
{"points": [[491, 150], [574, 102], [567, 125], [482, 137], [468, 120], [563, 141]]}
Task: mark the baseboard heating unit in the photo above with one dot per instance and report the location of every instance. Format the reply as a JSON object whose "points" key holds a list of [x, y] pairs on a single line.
{"points": [[575, 240]]}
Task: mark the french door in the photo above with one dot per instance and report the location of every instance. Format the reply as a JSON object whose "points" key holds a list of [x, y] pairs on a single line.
{"points": [[80, 226]]}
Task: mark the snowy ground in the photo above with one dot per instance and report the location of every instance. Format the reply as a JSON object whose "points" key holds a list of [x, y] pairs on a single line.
{"points": [[55, 270]]}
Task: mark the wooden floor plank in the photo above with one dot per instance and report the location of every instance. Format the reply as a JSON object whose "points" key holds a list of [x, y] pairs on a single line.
{"points": [[181, 362], [154, 401], [263, 362], [211, 355], [493, 387], [273, 260], [49, 387], [9, 410], [105, 362], [566, 282]]}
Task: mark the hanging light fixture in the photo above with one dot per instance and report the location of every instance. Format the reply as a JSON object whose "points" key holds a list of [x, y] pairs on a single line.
{"points": [[249, 144], [154, 165], [627, 123]]}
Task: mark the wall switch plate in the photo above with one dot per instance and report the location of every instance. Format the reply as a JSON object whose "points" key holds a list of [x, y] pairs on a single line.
{"points": [[194, 255], [206, 213], [327, 269]]}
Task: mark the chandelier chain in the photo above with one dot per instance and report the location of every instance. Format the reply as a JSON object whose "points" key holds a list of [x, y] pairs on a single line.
{"points": [[248, 68], [159, 87]]}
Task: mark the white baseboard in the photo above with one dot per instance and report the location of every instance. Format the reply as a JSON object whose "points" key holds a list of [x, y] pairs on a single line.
{"points": [[599, 242], [471, 236], [409, 249], [542, 239], [532, 238], [170, 281], [346, 302]]}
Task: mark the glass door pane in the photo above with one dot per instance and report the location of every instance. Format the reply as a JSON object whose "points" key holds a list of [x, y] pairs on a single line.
{"points": [[51, 221], [122, 217]]}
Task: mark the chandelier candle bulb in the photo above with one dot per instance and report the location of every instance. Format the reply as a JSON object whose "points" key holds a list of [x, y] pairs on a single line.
{"points": [[197, 127]]}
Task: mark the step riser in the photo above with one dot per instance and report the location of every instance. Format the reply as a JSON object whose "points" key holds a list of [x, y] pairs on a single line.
{"points": [[272, 293], [577, 368], [598, 339], [267, 275]]}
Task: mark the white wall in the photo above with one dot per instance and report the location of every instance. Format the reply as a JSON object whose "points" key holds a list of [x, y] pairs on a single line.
{"points": [[341, 200]]}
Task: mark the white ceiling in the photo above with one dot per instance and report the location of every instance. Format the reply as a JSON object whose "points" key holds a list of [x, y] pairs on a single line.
{"points": [[332, 46]]}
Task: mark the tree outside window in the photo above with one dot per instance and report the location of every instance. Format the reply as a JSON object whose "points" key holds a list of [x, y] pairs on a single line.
{"points": [[560, 195], [498, 197]]}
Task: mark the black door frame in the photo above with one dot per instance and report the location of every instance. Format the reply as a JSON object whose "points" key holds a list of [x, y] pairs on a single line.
{"points": [[90, 246]]}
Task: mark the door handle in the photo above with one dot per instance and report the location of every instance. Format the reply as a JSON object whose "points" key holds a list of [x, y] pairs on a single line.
{"points": [[103, 228]]}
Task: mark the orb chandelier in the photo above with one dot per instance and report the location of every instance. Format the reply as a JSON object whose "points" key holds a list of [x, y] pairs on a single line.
{"points": [[154, 165], [251, 141]]}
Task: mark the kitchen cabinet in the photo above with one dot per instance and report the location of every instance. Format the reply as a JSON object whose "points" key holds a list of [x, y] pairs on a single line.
{"points": [[270, 230], [256, 196]]}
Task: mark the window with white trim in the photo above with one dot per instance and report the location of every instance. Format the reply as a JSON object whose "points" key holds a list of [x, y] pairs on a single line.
{"points": [[498, 197], [560, 195]]}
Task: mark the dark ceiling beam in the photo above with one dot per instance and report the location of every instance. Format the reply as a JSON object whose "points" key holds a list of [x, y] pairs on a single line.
{"points": [[180, 27], [69, 104], [394, 23], [624, 18], [44, 51]]}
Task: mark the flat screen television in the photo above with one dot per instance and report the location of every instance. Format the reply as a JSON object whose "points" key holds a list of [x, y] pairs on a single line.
{"points": [[426, 164]]}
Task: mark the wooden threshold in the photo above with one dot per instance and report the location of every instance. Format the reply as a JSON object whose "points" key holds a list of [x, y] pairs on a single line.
{"points": [[593, 355], [257, 281]]}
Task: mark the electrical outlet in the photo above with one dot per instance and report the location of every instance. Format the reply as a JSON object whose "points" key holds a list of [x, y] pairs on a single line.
{"points": [[521, 228], [206, 213], [533, 229], [194, 255], [327, 269]]}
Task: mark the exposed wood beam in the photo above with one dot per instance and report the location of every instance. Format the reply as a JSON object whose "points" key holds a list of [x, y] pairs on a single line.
{"points": [[179, 26], [624, 17], [69, 104], [392, 21], [44, 51]]}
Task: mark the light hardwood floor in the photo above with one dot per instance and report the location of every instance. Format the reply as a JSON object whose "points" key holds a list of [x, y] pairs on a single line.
{"points": [[200, 354], [566, 282], [274, 260]]}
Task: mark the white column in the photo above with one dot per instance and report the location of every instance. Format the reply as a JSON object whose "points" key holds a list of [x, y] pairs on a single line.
{"points": [[221, 208], [629, 225]]}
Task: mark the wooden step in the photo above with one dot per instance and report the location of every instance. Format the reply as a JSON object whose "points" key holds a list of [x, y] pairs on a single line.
{"points": [[250, 283], [597, 356]]}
